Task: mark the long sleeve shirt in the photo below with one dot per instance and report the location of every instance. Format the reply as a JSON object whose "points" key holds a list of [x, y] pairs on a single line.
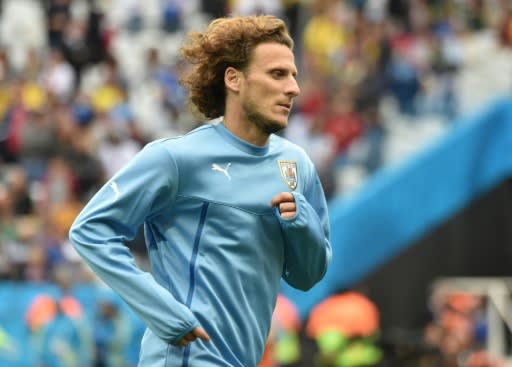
{"points": [[217, 249]]}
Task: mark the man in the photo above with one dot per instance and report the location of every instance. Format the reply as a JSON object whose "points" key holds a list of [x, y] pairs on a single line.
{"points": [[228, 209]]}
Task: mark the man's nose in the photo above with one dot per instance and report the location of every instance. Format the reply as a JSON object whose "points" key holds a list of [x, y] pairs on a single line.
{"points": [[293, 88]]}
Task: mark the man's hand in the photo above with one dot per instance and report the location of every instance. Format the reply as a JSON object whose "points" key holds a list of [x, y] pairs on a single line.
{"points": [[198, 332], [285, 202]]}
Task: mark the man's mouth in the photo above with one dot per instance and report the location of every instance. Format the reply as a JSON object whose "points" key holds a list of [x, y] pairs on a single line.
{"points": [[288, 106]]}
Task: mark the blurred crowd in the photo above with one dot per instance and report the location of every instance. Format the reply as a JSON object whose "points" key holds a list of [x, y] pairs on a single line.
{"points": [[459, 330], [344, 331], [84, 84]]}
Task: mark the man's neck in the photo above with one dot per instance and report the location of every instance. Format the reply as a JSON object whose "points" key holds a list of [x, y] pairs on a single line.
{"points": [[245, 130]]}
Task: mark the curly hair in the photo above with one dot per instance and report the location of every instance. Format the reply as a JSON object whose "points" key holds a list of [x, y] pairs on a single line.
{"points": [[225, 42]]}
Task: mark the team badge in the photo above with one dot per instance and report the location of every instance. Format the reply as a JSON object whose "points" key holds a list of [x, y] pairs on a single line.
{"points": [[289, 173]]}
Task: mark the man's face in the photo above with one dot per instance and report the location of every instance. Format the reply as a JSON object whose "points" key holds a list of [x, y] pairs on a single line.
{"points": [[269, 86]]}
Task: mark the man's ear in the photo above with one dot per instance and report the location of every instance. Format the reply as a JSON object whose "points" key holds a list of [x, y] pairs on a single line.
{"points": [[232, 78]]}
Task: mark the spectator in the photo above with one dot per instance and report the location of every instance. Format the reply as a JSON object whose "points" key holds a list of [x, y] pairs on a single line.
{"points": [[342, 122], [505, 27], [37, 141], [112, 332], [18, 190], [345, 327], [325, 38], [58, 77], [248, 7], [63, 343], [117, 147]]}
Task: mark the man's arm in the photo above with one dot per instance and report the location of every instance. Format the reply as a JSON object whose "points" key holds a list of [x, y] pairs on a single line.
{"points": [[305, 224], [140, 190]]}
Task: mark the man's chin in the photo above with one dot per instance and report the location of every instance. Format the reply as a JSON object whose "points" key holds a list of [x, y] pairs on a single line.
{"points": [[268, 125], [274, 127]]}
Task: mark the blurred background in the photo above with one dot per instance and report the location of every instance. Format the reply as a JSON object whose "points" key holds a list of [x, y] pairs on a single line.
{"points": [[405, 110]]}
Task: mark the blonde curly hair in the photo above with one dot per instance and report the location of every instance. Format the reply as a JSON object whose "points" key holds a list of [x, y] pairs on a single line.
{"points": [[225, 42]]}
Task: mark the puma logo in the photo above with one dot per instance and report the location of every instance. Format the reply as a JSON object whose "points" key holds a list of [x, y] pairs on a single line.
{"points": [[114, 187], [216, 167]]}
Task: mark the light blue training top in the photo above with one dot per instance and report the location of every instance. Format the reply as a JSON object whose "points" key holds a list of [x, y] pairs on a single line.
{"points": [[217, 250]]}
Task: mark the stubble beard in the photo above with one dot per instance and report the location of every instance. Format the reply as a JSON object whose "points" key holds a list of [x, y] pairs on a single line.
{"points": [[265, 124]]}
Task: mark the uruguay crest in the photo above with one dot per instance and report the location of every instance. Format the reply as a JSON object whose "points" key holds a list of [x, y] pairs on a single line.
{"points": [[289, 173]]}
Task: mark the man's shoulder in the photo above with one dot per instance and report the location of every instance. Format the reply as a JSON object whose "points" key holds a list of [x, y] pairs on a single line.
{"points": [[285, 146], [199, 132], [199, 135], [289, 152]]}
